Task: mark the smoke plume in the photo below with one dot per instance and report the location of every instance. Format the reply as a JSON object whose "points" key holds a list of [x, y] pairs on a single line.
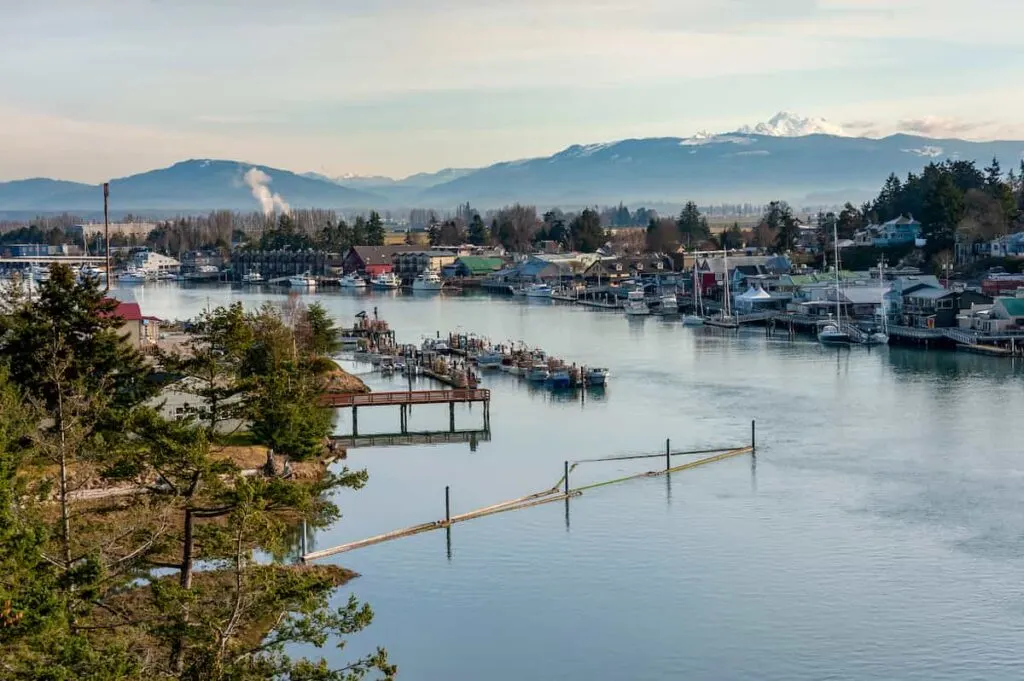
{"points": [[269, 202]]}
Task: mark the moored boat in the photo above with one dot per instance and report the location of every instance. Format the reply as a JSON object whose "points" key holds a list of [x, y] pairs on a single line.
{"points": [[302, 281], [352, 280], [427, 280], [635, 304], [386, 281], [538, 373], [596, 376], [252, 278], [558, 379], [539, 291]]}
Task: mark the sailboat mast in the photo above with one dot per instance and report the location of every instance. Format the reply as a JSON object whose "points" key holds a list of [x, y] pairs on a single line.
{"points": [[835, 243]]}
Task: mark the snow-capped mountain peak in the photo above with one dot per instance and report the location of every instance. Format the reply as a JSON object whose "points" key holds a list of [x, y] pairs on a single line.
{"points": [[785, 124]]}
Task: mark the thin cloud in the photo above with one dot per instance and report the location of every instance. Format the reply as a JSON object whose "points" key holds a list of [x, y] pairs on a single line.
{"points": [[937, 126]]}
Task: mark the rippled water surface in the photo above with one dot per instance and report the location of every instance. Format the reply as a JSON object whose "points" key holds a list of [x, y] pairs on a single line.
{"points": [[879, 535]]}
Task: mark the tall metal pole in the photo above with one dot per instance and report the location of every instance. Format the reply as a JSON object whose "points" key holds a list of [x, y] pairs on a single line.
{"points": [[106, 228]]}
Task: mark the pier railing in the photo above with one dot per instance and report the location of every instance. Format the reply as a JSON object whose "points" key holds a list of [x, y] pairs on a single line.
{"points": [[402, 397]]}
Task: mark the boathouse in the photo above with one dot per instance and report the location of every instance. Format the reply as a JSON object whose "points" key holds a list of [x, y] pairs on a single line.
{"points": [[373, 260]]}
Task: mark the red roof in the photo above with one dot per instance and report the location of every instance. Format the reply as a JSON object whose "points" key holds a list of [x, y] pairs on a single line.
{"points": [[130, 312]]}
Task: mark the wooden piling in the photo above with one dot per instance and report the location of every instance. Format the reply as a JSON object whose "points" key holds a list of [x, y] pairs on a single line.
{"points": [[355, 421], [668, 454], [451, 416], [566, 477], [753, 437], [447, 505]]}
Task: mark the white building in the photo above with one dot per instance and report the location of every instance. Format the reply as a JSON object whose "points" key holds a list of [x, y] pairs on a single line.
{"points": [[154, 262]]}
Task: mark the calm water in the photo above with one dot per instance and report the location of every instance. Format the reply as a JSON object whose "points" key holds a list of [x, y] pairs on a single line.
{"points": [[880, 536]]}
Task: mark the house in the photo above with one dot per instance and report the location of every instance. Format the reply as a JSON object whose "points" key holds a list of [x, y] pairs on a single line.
{"points": [[531, 270], [1004, 315], [895, 232], [923, 302], [155, 262], [1009, 246], [626, 267], [141, 331], [408, 264], [373, 260], [138, 230], [469, 266]]}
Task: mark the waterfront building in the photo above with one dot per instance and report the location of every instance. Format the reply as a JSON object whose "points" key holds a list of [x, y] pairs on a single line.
{"points": [[155, 262], [141, 331], [409, 264], [896, 232], [373, 260], [473, 266]]}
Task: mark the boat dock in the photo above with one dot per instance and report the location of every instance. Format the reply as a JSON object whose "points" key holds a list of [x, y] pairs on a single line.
{"points": [[405, 399]]}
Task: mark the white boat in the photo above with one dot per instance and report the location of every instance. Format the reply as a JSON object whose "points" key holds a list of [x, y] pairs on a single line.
{"points": [[352, 280], [880, 337], [596, 376], [725, 318], [252, 278], [635, 304], [302, 281], [132, 275], [539, 291], [427, 280], [696, 319], [489, 360], [538, 374], [386, 281], [668, 304], [832, 333]]}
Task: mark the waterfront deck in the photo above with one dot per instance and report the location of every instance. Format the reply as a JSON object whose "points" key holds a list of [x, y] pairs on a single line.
{"points": [[406, 397], [416, 438]]}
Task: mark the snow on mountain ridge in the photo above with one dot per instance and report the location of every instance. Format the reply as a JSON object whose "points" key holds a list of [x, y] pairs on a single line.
{"points": [[786, 124]]}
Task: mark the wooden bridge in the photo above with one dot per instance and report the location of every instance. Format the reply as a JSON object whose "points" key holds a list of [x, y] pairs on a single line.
{"points": [[405, 399], [473, 437]]}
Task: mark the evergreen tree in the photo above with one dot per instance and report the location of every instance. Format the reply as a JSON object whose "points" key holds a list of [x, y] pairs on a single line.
{"points": [[942, 211], [693, 228], [478, 234], [375, 230], [586, 232], [359, 231]]}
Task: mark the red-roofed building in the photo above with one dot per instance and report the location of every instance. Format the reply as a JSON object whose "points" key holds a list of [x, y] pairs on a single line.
{"points": [[141, 330]]}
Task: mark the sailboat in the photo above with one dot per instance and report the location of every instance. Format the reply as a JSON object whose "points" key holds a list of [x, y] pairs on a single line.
{"points": [[725, 318], [697, 318], [832, 333], [880, 337]]}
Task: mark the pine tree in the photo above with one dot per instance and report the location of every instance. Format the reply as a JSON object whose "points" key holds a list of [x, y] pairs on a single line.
{"points": [[375, 230], [478, 234]]}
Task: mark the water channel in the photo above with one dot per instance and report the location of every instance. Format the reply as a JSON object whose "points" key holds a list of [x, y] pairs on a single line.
{"points": [[880, 534]]}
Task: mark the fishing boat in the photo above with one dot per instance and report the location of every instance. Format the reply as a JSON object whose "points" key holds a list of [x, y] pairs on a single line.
{"points": [[302, 281], [252, 278], [352, 280], [635, 304], [489, 360], [668, 304], [539, 291], [596, 376], [386, 281], [832, 332], [427, 280], [559, 379], [538, 373]]}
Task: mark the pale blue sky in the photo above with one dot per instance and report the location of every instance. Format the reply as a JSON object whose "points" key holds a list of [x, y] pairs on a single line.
{"points": [[91, 89]]}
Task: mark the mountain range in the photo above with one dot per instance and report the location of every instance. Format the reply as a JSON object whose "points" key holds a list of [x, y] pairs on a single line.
{"points": [[802, 160]]}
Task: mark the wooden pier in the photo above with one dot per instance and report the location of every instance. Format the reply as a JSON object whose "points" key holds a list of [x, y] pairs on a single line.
{"points": [[405, 399], [434, 437]]}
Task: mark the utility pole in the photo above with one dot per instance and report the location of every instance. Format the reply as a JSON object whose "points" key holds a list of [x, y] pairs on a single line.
{"points": [[106, 230]]}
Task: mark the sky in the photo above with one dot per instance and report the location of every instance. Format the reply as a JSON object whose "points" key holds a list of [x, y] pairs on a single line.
{"points": [[97, 89]]}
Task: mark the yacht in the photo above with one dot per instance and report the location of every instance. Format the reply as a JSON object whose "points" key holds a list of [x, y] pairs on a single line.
{"points": [[302, 281], [132, 275], [386, 280], [538, 291], [635, 304], [427, 280], [252, 278], [596, 376], [352, 280], [697, 318]]}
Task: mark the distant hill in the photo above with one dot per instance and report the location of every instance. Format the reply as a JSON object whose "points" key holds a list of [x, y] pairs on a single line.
{"points": [[188, 185], [806, 161], [713, 168]]}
